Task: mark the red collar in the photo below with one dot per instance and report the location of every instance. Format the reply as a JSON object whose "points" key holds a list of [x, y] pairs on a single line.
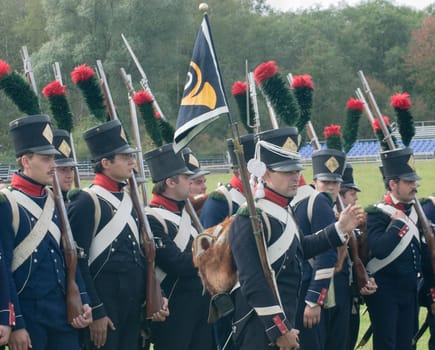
{"points": [[394, 202], [164, 202], [27, 185], [276, 197], [107, 183], [236, 183]]}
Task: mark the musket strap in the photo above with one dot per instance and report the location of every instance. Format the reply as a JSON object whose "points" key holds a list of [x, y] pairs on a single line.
{"points": [[185, 230], [280, 246], [375, 264], [116, 224], [43, 225]]}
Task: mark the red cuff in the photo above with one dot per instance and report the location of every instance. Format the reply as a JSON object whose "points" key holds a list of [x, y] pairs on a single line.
{"points": [[322, 296], [11, 314], [432, 294], [279, 323]]}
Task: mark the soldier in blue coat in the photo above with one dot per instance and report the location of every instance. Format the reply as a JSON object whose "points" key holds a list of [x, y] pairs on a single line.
{"points": [[186, 328], [104, 223], [324, 308], [30, 232], [396, 246], [226, 199], [264, 317]]}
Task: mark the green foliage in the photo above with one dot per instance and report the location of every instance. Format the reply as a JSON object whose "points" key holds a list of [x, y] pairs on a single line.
{"points": [[391, 44]]}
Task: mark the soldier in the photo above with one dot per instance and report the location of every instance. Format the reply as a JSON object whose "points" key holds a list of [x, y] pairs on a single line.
{"points": [[30, 232], [64, 160], [395, 244], [222, 203], [226, 199], [324, 308], [6, 309], [105, 226], [262, 318], [198, 187], [186, 328]]}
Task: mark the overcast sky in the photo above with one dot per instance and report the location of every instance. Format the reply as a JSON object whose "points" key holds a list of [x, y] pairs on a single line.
{"points": [[285, 5]]}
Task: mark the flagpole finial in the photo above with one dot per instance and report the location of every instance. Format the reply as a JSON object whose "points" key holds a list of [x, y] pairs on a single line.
{"points": [[203, 7]]}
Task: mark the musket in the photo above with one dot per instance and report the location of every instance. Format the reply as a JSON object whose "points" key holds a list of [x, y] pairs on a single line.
{"points": [[253, 95], [126, 78], [367, 110], [106, 91], [144, 80], [423, 220], [153, 292], [28, 70], [73, 298], [58, 77]]}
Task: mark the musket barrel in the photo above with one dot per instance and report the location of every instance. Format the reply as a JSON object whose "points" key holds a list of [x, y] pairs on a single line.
{"points": [[387, 135]]}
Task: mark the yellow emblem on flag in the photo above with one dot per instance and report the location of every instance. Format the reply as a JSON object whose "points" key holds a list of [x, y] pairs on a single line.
{"points": [[48, 133], [197, 96], [64, 148], [290, 145], [332, 164]]}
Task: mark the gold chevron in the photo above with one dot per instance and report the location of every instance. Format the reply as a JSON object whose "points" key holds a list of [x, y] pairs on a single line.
{"points": [[196, 97]]}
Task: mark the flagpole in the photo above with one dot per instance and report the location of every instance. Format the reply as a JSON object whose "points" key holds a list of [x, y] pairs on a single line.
{"points": [[238, 150]]}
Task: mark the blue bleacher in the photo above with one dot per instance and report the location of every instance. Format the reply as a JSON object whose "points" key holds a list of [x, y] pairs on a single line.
{"points": [[371, 148]]}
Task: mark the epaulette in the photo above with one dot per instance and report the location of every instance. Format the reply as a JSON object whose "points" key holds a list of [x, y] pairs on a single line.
{"points": [[72, 194], [244, 210], [219, 196], [371, 209]]}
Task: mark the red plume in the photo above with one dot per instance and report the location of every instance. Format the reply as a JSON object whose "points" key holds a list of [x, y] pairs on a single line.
{"points": [[142, 97], [377, 125], [332, 130], [54, 89], [355, 104], [82, 73], [265, 70], [5, 69], [304, 80], [401, 101], [239, 87]]}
